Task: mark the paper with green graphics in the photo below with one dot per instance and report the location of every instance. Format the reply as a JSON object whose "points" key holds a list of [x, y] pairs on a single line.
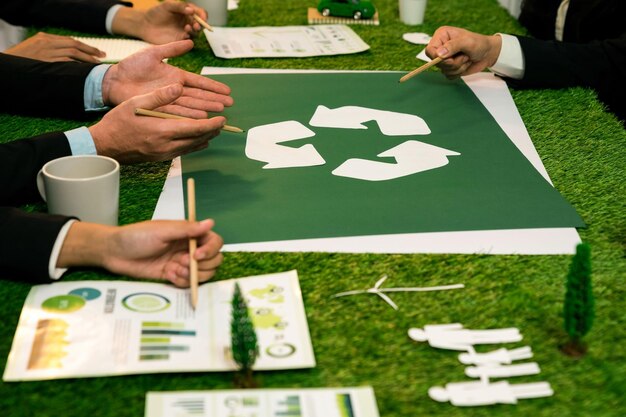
{"points": [[480, 180], [309, 402], [102, 328]]}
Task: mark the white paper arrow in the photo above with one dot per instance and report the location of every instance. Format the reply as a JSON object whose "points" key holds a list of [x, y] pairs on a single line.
{"points": [[411, 157], [352, 117], [262, 144]]}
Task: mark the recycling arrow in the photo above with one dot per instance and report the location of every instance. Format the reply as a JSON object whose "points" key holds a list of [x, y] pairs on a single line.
{"points": [[262, 144], [352, 117], [411, 157]]}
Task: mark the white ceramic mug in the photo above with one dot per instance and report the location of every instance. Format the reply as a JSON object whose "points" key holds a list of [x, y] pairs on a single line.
{"points": [[85, 186], [412, 11], [217, 11]]}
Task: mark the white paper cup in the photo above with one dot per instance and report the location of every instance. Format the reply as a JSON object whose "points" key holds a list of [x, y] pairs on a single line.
{"points": [[412, 11], [217, 11], [85, 186]]}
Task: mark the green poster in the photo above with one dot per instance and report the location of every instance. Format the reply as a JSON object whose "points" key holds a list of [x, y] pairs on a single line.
{"points": [[379, 157]]}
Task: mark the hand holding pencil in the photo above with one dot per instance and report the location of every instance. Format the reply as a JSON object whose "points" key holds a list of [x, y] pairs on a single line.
{"points": [[164, 22], [461, 52], [197, 267]]}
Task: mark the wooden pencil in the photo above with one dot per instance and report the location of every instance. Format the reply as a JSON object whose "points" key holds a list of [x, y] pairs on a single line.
{"points": [[420, 69], [161, 115], [202, 22], [193, 244]]}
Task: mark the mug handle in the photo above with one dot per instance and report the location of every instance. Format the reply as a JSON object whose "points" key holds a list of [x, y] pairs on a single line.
{"points": [[40, 185]]}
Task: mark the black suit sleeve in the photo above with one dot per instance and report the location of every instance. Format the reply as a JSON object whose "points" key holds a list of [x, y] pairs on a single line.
{"points": [[586, 20], [21, 160], [26, 241], [600, 65], [42, 88], [81, 15]]}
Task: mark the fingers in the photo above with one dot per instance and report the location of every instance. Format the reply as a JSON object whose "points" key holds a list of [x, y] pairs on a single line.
{"points": [[76, 55], [180, 277], [172, 138], [183, 111], [204, 83], [455, 66], [86, 49], [61, 42], [47, 47], [210, 95], [208, 255], [199, 11], [179, 7], [160, 97], [191, 128], [205, 101], [210, 243], [173, 49], [208, 104]]}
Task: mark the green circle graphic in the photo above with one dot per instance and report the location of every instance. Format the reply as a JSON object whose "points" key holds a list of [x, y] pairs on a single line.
{"points": [[63, 303], [145, 302], [280, 350]]}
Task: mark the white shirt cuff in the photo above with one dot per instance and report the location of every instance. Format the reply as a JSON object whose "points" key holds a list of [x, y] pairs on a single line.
{"points": [[54, 272], [92, 91], [81, 142], [110, 16], [510, 62]]}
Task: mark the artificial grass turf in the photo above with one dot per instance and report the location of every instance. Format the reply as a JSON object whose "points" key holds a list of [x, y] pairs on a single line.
{"points": [[360, 340]]}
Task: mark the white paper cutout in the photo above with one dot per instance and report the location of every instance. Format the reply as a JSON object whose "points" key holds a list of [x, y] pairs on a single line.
{"points": [[455, 337], [492, 364], [484, 372], [478, 393], [411, 157], [499, 356], [352, 117], [262, 144], [379, 291], [422, 56], [417, 38]]}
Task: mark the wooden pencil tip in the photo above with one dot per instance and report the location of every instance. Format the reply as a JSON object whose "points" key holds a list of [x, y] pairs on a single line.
{"points": [[232, 129]]}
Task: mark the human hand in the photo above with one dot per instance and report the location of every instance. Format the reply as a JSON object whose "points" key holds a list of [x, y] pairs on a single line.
{"points": [[151, 249], [145, 71], [53, 48], [463, 52], [166, 22], [130, 138]]}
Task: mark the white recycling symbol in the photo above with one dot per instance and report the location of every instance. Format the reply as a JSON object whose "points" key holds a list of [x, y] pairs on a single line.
{"points": [[412, 156]]}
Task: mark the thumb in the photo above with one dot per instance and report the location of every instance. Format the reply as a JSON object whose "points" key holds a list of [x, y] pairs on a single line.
{"points": [[173, 49], [198, 229], [448, 49], [460, 44], [160, 97]]}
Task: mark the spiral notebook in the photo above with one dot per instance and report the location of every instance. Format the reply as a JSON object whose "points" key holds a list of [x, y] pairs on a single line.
{"points": [[115, 48]]}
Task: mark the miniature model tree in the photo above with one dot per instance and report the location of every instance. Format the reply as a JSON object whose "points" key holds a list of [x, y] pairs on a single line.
{"points": [[578, 309], [243, 340]]}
